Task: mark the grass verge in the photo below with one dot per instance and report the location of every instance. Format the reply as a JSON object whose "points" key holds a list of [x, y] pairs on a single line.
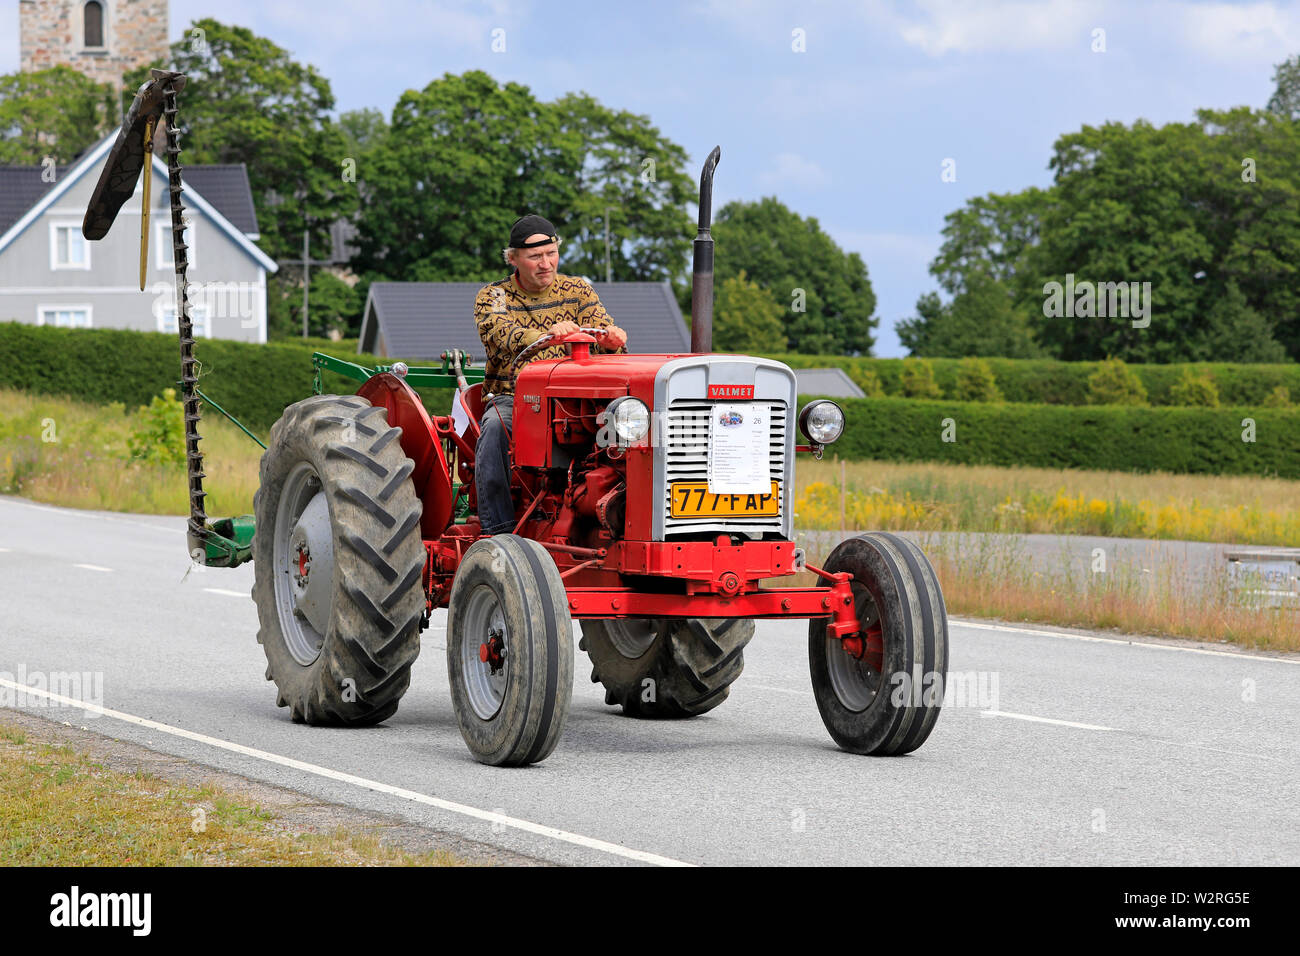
{"points": [[1227, 509], [59, 807]]}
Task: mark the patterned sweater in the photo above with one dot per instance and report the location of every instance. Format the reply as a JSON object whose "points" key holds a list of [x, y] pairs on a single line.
{"points": [[509, 318]]}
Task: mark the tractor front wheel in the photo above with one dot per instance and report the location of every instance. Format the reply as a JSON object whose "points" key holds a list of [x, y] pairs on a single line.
{"points": [[509, 651], [337, 562], [881, 694], [666, 667]]}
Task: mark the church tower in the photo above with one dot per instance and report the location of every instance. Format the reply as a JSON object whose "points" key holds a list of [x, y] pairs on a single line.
{"points": [[101, 38]]}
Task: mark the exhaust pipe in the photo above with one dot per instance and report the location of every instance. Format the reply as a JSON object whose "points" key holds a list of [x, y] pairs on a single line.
{"points": [[702, 270]]}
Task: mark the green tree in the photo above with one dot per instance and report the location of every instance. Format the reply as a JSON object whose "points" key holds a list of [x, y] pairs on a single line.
{"points": [[463, 159], [981, 320], [1191, 389], [248, 101], [917, 379], [56, 113], [637, 176], [1114, 383], [746, 318], [976, 381], [1285, 101], [831, 303]]}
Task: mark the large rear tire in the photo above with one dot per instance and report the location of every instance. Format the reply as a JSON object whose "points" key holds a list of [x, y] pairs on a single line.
{"points": [[509, 651], [666, 667], [337, 562], [887, 701]]}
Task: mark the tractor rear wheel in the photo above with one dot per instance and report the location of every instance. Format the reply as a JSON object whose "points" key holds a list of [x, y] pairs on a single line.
{"points": [[509, 651], [886, 700], [338, 561], [666, 667]]}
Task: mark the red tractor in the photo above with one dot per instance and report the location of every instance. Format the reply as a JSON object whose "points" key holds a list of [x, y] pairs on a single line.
{"points": [[654, 495]]}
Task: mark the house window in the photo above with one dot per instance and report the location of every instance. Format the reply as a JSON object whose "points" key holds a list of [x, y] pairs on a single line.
{"points": [[163, 243], [93, 15], [198, 320], [68, 248], [65, 316]]}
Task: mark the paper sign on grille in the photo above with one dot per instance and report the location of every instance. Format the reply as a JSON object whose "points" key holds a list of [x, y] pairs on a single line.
{"points": [[739, 445]]}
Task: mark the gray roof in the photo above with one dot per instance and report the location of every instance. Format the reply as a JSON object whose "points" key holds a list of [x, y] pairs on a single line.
{"points": [[225, 187], [831, 382], [420, 320]]}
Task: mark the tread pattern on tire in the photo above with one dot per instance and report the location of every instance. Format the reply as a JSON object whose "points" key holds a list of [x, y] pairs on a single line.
{"points": [[373, 635], [692, 662], [916, 646], [533, 604]]}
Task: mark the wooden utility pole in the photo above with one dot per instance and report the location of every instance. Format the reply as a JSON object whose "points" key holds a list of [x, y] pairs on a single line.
{"points": [[609, 276]]}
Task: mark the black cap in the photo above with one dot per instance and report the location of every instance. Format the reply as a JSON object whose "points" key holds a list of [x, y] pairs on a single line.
{"points": [[526, 226]]}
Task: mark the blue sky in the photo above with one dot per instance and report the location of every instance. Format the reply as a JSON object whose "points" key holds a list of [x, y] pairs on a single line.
{"points": [[854, 130]]}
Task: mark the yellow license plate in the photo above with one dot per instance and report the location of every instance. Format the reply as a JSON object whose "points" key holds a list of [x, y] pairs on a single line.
{"points": [[692, 499]]}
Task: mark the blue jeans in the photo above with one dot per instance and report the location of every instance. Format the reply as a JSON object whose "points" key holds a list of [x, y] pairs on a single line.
{"points": [[496, 510]]}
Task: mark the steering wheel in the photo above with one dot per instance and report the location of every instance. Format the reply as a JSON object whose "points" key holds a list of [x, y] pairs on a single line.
{"points": [[560, 339]]}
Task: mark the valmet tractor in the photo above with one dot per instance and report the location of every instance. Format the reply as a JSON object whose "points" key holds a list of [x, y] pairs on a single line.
{"points": [[654, 498]]}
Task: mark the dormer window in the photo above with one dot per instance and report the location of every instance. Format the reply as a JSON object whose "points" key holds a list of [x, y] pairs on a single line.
{"points": [[93, 17]]}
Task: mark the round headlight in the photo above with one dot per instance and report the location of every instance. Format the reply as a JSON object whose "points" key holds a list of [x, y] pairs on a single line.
{"points": [[630, 417], [821, 422]]}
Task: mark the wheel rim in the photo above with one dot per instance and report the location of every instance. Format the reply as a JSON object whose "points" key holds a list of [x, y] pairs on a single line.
{"points": [[485, 626], [633, 637], [304, 564], [854, 680]]}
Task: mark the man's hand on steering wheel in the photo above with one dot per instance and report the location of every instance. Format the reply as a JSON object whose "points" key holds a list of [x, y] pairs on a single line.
{"points": [[611, 337]]}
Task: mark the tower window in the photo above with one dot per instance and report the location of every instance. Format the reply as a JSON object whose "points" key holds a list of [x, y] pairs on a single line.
{"points": [[93, 13]]}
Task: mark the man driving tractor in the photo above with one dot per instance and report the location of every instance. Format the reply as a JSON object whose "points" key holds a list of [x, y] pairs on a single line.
{"points": [[511, 314]]}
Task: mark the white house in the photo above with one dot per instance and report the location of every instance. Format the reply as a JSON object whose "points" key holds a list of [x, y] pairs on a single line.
{"points": [[51, 275]]}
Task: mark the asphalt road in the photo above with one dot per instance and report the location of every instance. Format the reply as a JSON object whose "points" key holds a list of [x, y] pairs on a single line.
{"points": [[1096, 751]]}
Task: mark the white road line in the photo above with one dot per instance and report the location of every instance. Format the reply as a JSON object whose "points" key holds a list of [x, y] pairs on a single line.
{"points": [[527, 826], [93, 567], [1127, 643], [79, 515], [1043, 720], [4, 550], [238, 594]]}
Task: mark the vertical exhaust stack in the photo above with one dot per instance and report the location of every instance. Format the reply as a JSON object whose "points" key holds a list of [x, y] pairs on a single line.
{"points": [[702, 270]]}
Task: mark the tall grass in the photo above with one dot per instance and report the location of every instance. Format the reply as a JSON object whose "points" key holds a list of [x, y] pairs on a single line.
{"points": [[933, 497], [992, 576], [77, 455]]}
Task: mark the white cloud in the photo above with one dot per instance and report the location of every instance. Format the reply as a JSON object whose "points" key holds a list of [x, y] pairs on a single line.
{"points": [[791, 169], [937, 27], [1253, 33]]}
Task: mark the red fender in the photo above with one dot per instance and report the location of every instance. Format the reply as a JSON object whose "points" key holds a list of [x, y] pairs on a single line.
{"points": [[432, 476]]}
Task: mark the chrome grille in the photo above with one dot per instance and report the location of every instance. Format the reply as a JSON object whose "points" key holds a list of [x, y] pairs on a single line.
{"points": [[686, 458]]}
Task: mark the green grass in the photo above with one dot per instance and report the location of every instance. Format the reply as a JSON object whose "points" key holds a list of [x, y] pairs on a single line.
{"points": [[58, 807]]}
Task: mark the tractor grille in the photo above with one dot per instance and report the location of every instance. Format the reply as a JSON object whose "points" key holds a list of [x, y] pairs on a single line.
{"points": [[686, 458]]}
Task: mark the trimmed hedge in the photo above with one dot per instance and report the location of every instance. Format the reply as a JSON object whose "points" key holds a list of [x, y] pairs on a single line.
{"points": [[1112, 437], [1049, 382], [256, 382], [252, 382]]}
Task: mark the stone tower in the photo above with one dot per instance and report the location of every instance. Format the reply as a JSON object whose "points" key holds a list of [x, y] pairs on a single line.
{"points": [[101, 38]]}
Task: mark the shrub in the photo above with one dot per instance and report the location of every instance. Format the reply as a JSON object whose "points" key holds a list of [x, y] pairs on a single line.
{"points": [[975, 381], [869, 382], [158, 437], [1280, 397], [1114, 383], [1195, 390], [917, 379], [1118, 438]]}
